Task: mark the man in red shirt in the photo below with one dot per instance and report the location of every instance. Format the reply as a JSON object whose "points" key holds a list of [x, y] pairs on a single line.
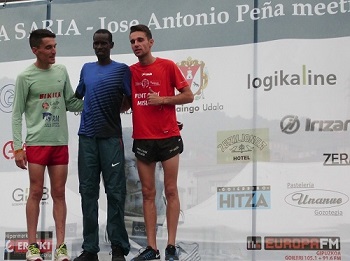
{"points": [[156, 134]]}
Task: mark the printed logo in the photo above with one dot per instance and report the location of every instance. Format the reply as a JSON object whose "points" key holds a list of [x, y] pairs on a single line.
{"points": [[291, 124], [16, 244], [49, 95], [305, 77], [45, 105], [316, 199], [243, 146], [53, 105], [336, 159], [9, 248], [254, 243], [302, 243], [20, 196], [7, 94], [138, 228], [196, 76], [8, 150], [145, 83], [51, 120], [243, 197]]}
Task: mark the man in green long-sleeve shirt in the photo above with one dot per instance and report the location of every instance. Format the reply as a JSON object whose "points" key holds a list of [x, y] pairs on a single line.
{"points": [[43, 93]]}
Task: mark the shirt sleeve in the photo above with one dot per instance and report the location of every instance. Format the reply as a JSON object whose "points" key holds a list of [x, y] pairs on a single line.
{"points": [[127, 82], [19, 104], [80, 91], [72, 102], [178, 80]]}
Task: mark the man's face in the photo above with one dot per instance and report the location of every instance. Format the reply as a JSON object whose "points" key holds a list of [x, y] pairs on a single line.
{"points": [[102, 45], [46, 52], [140, 45]]}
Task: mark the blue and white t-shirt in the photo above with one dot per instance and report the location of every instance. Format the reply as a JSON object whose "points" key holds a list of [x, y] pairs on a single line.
{"points": [[103, 87]]}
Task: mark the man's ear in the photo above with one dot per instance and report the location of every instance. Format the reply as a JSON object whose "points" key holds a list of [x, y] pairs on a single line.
{"points": [[112, 45], [151, 41], [35, 50]]}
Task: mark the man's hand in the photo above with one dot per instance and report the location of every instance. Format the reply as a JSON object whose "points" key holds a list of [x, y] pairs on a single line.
{"points": [[153, 98], [21, 159]]}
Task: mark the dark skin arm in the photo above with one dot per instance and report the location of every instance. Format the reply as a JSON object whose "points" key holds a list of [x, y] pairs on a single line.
{"points": [[126, 104]]}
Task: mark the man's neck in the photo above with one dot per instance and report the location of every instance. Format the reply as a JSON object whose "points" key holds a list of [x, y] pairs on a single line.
{"points": [[104, 61], [147, 60], [43, 66]]}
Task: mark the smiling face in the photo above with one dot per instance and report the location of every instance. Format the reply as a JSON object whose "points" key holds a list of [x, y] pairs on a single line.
{"points": [[102, 46], [45, 52]]}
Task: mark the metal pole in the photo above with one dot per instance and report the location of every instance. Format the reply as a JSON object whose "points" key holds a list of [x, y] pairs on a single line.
{"points": [[20, 2], [48, 11], [255, 105]]}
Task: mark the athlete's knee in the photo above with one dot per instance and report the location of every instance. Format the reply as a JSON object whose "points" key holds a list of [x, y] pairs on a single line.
{"points": [[36, 195], [149, 193], [58, 193], [171, 192]]}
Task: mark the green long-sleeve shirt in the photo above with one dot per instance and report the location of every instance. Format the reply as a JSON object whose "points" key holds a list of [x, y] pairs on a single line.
{"points": [[43, 96]]}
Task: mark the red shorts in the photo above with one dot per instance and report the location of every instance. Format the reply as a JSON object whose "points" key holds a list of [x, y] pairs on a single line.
{"points": [[48, 155]]}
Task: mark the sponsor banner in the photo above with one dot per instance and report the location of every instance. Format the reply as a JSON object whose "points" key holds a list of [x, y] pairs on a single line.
{"points": [[322, 200], [316, 198], [244, 197], [16, 244], [243, 146], [336, 159], [302, 243], [291, 124], [303, 247], [195, 20], [20, 196]]}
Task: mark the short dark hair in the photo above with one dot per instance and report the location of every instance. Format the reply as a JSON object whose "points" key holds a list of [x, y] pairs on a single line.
{"points": [[104, 31], [37, 35], [141, 28]]}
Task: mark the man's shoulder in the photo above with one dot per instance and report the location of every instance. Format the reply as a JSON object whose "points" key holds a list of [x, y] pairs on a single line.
{"points": [[165, 63], [30, 70], [90, 64], [59, 67], [164, 60], [134, 65], [119, 64], [89, 67]]}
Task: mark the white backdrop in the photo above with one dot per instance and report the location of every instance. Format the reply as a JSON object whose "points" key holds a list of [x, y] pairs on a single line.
{"points": [[264, 174]]}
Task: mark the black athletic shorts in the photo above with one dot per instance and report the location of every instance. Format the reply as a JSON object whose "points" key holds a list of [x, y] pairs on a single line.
{"points": [[157, 150]]}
